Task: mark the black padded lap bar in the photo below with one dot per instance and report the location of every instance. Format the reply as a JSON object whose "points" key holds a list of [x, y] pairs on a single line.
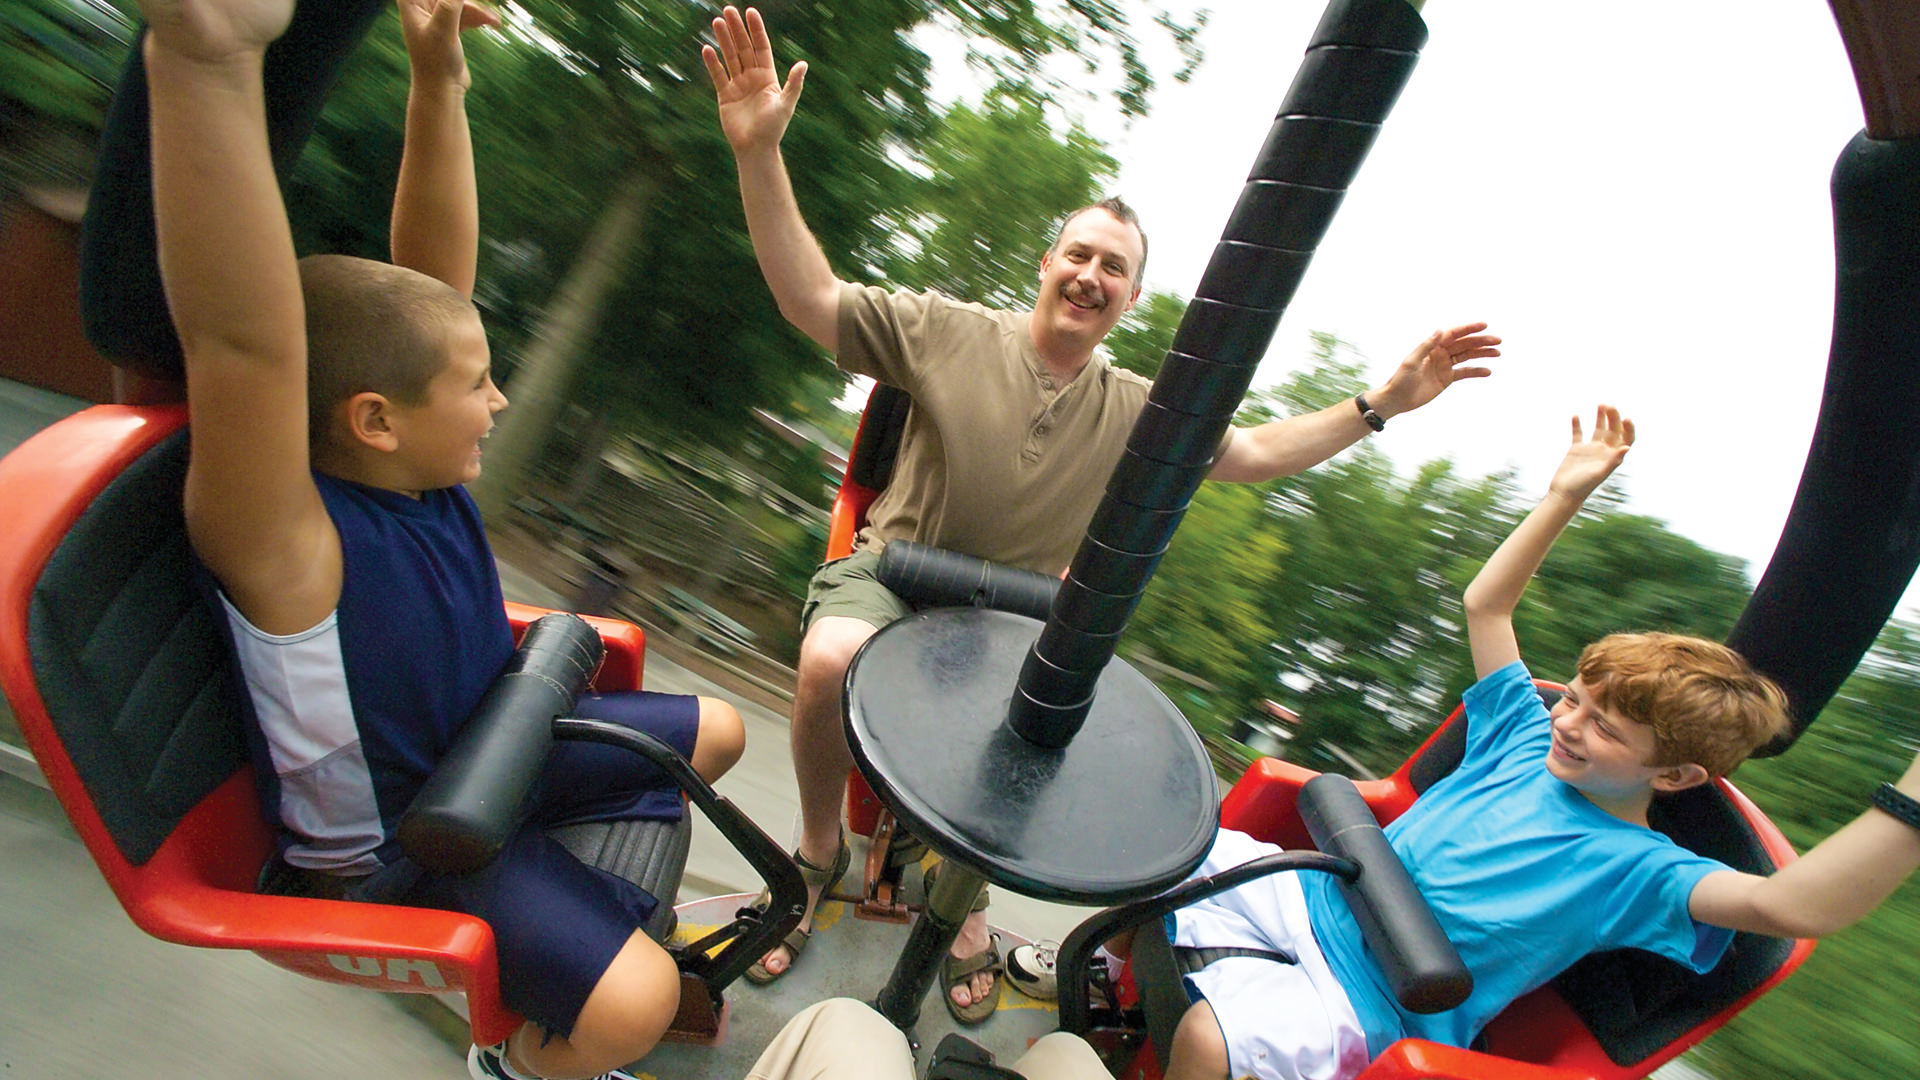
{"points": [[1852, 538], [479, 792], [130, 660], [1422, 966], [927, 576], [1361, 55]]}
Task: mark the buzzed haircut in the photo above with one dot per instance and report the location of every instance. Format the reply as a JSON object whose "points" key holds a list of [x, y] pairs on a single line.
{"points": [[372, 326], [1705, 704], [1122, 213]]}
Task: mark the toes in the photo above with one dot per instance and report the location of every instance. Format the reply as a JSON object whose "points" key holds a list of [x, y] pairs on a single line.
{"points": [[974, 989]]}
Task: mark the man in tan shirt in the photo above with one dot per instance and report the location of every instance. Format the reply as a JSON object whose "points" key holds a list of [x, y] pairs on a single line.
{"points": [[1016, 425]]}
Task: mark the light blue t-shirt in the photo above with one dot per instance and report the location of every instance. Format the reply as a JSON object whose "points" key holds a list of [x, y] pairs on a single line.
{"points": [[1524, 873]]}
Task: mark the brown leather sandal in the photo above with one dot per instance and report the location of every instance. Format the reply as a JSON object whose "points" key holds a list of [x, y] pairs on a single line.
{"points": [[955, 970]]}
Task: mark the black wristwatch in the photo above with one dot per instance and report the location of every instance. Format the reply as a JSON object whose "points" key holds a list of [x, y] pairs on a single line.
{"points": [[1898, 803], [1374, 420]]}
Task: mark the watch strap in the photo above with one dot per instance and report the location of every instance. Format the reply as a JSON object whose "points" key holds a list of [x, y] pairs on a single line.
{"points": [[1374, 420], [1898, 803]]}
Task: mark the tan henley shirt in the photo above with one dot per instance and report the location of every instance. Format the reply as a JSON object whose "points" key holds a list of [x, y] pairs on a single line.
{"points": [[997, 460]]}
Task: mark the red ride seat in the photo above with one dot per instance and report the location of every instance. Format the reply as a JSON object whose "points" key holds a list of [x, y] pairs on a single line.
{"points": [[116, 670], [876, 444]]}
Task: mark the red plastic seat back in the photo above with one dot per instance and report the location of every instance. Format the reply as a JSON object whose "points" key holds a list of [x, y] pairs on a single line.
{"points": [[876, 444], [869, 466], [118, 674]]}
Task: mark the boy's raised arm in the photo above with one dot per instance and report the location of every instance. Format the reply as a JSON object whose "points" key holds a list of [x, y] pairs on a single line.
{"points": [[1837, 883], [1495, 592], [227, 260], [436, 204]]}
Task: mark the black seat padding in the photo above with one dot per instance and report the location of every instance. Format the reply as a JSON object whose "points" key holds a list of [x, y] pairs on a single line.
{"points": [[879, 443], [651, 854], [130, 661], [1634, 1002]]}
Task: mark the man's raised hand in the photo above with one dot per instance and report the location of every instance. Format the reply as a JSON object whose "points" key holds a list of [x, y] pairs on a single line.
{"points": [[754, 107], [1433, 365]]}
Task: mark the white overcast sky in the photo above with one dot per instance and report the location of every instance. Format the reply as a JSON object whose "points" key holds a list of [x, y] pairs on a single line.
{"points": [[1633, 194]]}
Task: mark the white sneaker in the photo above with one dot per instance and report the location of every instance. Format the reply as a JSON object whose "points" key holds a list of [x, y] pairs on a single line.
{"points": [[489, 1063], [1030, 968]]}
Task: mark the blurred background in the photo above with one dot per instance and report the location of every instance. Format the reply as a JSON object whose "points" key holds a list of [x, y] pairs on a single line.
{"points": [[674, 445]]}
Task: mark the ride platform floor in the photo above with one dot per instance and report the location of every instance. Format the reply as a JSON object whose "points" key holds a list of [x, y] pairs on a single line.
{"points": [[848, 957]]}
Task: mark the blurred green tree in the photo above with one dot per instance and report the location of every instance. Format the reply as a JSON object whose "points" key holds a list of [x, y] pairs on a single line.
{"points": [[58, 59], [998, 182], [695, 329], [1141, 340]]}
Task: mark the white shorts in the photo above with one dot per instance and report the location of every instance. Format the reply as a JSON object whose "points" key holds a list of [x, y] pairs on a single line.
{"points": [[1280, 1021]]}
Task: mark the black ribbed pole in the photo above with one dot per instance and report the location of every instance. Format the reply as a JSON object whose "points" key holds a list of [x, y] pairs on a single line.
{"points": [[1360, 58]]}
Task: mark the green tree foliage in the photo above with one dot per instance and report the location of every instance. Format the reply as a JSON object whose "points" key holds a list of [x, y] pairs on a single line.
{"points": [[1142, 338], [1208, 605], [1361, 631], [998, 187], [58, 59]]}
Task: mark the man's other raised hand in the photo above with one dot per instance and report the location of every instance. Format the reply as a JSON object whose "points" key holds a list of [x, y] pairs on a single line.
{"points": [[754, 107]]}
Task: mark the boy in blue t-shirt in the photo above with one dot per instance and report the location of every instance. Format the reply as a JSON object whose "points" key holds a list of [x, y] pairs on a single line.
{"points": [[338, 406], [1535, 850]]}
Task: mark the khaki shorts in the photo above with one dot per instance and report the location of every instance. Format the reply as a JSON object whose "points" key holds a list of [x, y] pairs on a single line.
{"points": [[850, 588]]}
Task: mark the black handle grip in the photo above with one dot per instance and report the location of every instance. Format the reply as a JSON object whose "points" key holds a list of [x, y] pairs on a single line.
{"points": [[1422, 966], [935, 577], [479, 792]]}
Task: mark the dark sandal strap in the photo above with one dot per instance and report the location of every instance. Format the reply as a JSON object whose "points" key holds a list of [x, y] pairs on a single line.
{"points": [[824, 876], [988, 959]]}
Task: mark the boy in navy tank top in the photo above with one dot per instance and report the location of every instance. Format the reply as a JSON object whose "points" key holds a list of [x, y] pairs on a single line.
{"points": [[1535, 850], [338, 406]]}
